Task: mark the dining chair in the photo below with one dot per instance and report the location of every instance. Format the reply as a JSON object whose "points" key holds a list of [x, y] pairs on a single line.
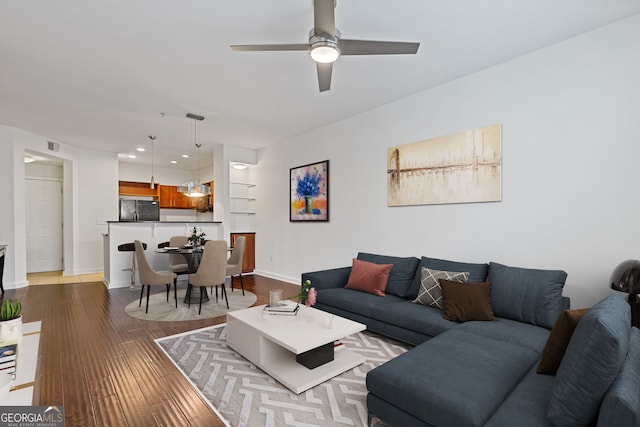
{"points": [[178, 263], [234, 263], [211, 271], [149, 277]]}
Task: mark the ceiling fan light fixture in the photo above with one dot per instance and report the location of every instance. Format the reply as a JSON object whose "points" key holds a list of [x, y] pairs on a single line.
{"points": [[324, 51]]}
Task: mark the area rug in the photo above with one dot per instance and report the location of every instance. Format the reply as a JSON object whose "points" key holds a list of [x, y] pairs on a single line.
{"points": [[244, 396], [165, 311]]}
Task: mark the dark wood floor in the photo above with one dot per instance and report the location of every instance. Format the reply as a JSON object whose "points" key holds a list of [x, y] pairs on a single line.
{"points": [[104, 366]]}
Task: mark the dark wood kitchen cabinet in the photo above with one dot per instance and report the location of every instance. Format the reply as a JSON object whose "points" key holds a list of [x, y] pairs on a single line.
{"points": [[249, 259]]}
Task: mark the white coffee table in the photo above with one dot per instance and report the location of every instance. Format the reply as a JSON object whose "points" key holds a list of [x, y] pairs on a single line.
{"points": [[274, 344]]}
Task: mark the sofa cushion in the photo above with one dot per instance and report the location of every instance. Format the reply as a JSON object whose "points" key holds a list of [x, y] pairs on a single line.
{"points": [[353, 301], [621, 403], [402, 273], [527, 295], [369, 277], [477, 272], [593, 358], [455, 379], [524, 335], [558, 340], [414, 317], [430, 292], [527, 405], [463, 302]]}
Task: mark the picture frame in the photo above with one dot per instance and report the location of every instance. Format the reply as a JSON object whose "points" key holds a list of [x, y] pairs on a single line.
{"points": [[463, 167], [309, 192]]}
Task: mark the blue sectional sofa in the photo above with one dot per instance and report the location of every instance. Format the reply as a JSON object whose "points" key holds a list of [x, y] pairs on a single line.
{"points": [[483, 373]]}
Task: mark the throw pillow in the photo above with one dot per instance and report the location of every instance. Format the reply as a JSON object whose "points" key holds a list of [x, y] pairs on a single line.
{"points": [[463, 302], [402, 273], [559, 340], [369, 277], [477, 272], [430, 292]]}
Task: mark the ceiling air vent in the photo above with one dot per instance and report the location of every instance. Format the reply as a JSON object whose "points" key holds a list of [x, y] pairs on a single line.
{"points": [[53, 146]]}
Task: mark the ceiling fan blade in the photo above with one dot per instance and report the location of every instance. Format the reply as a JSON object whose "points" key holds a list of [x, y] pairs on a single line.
{"points": [[324, 76], [371, 47], [269, 47], [323, 17]]}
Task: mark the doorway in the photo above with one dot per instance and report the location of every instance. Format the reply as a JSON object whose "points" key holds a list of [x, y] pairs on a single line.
{"points": [[44, 224]]}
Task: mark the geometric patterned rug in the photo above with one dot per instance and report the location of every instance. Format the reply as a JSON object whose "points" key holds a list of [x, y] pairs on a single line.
{"points": [[245, 396]]}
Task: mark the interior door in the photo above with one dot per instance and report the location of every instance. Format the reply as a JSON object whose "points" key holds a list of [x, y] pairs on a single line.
{"points": [[44, 225]]}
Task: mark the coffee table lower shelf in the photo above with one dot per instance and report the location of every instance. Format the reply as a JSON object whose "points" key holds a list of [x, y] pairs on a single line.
{"points": [[299, 378]]}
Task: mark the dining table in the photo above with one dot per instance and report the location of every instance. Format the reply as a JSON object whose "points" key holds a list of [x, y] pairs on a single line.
{"points": [[193, 255]]}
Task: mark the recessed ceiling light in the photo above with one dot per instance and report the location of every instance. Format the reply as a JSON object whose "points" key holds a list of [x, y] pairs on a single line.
{"points": [[140, 149], [131, 156], [239, 166], [173, 161], [186, 156]]}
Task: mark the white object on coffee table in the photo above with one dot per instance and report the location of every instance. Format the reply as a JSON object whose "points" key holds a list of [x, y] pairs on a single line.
{"points": [[273, 345]]}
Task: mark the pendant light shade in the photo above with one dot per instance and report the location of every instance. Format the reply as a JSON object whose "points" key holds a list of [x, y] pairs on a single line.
{"points": [[195, 188]]}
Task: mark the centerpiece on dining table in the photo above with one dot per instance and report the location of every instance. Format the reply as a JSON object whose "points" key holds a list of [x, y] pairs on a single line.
{"points": [[196, 237]]}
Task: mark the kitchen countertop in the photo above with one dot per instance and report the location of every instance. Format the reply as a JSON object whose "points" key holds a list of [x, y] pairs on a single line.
{"points": [[164, 222]]}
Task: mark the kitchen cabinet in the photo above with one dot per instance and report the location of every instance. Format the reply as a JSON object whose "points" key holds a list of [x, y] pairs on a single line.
{"points": [[132, 188], [171, 198], [249, 259]]}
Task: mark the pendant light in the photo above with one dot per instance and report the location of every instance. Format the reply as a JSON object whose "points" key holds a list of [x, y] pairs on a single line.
{"points": [[152, 183], [195, 188]]}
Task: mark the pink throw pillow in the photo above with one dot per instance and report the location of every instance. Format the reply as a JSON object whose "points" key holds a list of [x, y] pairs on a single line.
{"points": [[369, 277]]}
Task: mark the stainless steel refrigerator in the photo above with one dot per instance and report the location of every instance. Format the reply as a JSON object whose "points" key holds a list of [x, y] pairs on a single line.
{"points": [[139, 210]]}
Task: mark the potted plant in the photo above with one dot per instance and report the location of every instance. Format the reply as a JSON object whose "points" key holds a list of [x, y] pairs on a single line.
{"points": [[196, 237], [10, 321]]}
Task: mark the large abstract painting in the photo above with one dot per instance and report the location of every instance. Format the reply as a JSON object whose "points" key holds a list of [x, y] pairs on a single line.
{"points": [[309, 190], [460, 168]]}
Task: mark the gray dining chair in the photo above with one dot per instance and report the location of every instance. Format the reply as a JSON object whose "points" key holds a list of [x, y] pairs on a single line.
{"points": [[149, 277], [177, 262], [211, 271], [234, 263]]}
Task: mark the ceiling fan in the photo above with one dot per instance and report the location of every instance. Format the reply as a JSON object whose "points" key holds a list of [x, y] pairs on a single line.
{"points": [[325, 45]]}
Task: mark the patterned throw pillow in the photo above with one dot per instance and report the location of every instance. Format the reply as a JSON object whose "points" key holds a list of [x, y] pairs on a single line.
{"points": [[430, 292]]}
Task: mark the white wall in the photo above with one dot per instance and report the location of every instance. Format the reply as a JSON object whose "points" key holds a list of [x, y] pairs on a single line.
{"points": [[570, 148], [90, 196], [162, 175]]}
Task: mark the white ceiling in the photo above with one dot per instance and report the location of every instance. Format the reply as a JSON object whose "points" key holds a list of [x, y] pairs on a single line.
{"points": [[98, 74]]}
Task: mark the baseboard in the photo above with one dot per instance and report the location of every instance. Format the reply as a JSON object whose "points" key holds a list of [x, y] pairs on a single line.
{"points": [[82, 271], [295, 281]]}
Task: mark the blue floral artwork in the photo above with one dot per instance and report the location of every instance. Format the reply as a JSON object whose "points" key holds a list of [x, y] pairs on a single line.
{"points": [[309, 187]]}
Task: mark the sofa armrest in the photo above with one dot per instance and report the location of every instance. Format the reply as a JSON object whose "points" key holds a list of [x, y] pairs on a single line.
{"points": [[326, 279]]}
